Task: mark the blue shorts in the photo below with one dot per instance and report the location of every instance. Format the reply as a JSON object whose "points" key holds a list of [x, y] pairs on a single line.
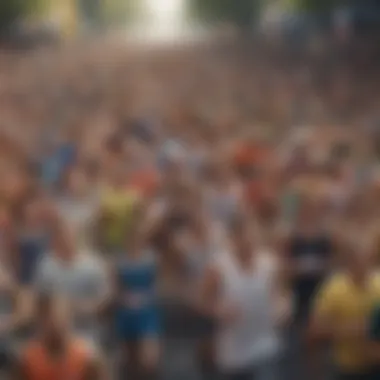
{"points": [[135, 325]]}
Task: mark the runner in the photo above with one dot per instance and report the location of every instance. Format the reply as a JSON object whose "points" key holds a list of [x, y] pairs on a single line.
{"points": [[79, 206], [15, 314], [116, 209], [241, 291], [55, 354], [78, 275], [32, 239], [310, 249], [136, 315], [342, 311]]}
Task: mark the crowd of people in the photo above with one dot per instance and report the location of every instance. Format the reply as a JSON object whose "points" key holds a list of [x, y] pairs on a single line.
{"points": [[239, 183]]}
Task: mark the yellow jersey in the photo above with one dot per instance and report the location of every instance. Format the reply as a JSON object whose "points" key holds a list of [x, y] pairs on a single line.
{"points": [[343, 301], [118, 209]]}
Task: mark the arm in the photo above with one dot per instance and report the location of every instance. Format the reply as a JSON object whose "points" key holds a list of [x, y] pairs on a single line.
{"points": [[23, 311], [208, 302], [282, 294], [106, 303]]}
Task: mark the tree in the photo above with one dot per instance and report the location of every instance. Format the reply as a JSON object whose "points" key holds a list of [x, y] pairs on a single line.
{"points": [[316, 5], [10, 11], [242, 13], [14, 10], [114, 12]]}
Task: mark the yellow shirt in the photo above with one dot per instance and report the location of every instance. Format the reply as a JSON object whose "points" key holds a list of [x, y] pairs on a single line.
{"points": [[344, 302], [118, 207]]}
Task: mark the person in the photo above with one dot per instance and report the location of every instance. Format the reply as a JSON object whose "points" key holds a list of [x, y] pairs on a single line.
{"points": [[310, 249], [31, 241], [77, 274], [197, 243], [116, 210], [79, 206], [15, 314], [224, 193], [136, 314], [341, 313], [243, 291], [55, 353]]}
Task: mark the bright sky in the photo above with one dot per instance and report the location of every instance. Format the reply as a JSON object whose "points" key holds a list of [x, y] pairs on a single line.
{"points": [[165, 16]]}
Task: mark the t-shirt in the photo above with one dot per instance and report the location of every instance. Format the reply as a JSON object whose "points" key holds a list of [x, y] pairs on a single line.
{"points": [[341, 300], [117, 207], [84, 279]]}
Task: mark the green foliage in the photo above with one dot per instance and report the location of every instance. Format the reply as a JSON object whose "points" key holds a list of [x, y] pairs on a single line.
{"points": [[13, 10], [119, 11], [316, 5], [242, 13], [10, 10]]}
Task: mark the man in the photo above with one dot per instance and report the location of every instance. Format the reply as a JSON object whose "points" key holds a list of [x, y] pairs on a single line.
{"points": [[80, 276], [341, 313], [243, 291], [55, 354]]}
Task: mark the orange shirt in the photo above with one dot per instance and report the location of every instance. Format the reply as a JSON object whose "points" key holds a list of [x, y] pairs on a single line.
{"points": [[38, 365]]}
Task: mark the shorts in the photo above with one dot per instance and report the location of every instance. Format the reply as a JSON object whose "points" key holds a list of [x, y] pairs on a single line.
{"points": [[136, 325]]}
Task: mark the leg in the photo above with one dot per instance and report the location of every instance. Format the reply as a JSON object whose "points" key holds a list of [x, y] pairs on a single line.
{"points": [[246, 374], [205, 356], [127, 362], [149, 352]]}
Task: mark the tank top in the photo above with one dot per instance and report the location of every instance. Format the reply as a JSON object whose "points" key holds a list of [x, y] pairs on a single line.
{"points": [[252, 337], [137, 282], [40, 366]]}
